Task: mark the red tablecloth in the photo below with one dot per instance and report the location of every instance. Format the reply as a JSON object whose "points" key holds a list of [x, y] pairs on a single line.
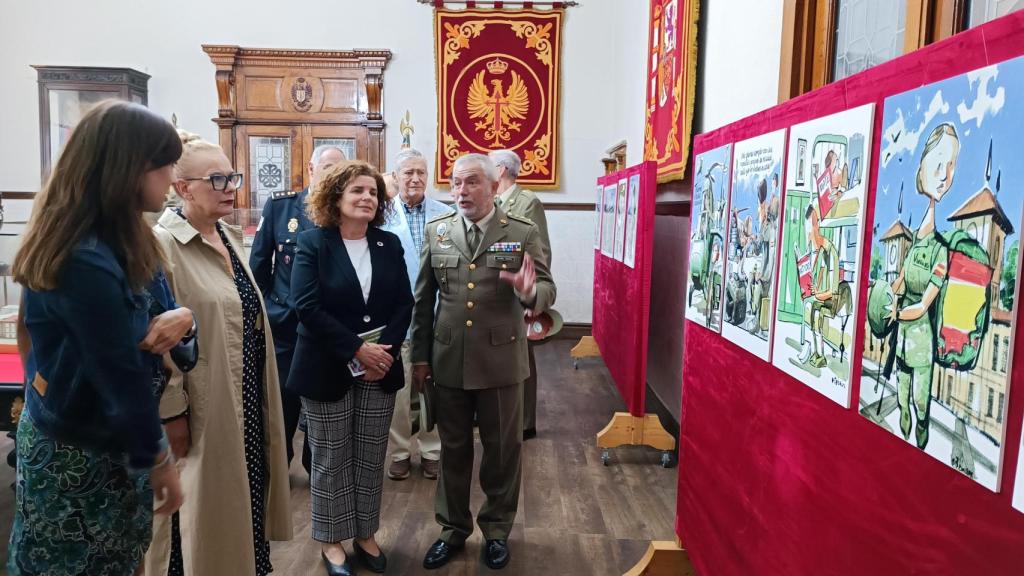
{"points": [[11, 371]]}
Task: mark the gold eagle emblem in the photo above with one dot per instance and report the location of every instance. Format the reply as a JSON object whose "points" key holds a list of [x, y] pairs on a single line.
{"points": [[497, 110]]}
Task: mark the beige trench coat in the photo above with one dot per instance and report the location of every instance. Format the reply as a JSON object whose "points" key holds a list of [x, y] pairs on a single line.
{"points": [[216, 518]]}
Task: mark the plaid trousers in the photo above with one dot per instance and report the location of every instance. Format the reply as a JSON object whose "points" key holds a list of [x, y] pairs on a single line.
{"points": [[348, 440]]}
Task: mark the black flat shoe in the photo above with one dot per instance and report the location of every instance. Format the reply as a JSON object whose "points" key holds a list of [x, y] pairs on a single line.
{"points": [[496, 554], [376, 564], [337, 569], [439, 554]]}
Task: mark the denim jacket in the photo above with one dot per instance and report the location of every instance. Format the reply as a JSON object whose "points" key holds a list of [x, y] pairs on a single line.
{"points": [[93, 386]]}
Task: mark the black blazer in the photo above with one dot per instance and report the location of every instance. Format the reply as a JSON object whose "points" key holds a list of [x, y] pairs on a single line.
{"points": [[329, 303]]}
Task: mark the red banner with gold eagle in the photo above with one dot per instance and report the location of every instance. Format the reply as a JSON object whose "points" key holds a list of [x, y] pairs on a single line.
{"points": [[671, 83], [498, 80]]}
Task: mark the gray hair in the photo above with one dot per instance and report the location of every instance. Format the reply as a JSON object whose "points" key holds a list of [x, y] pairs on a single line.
{"points": [[407, 154], [319, 151], [508, 160], [482, 161]]}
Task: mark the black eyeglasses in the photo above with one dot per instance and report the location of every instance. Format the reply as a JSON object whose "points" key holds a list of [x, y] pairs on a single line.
{"points": [[220, 181]]}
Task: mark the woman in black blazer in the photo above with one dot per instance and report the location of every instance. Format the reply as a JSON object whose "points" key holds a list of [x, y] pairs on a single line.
{"points": [[348, 279]]}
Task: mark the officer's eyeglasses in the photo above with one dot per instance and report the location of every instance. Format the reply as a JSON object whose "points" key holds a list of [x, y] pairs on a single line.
{"points": [[220, 181]]}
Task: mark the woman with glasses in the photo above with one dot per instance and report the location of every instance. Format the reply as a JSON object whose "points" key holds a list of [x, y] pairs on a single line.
{"points": [[223, 419]]}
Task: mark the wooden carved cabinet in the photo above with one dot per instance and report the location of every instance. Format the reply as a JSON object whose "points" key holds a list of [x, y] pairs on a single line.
{"points": [[67, 92], [276, 106]]}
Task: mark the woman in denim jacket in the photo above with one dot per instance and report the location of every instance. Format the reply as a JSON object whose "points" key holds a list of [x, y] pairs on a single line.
{"points": [[91, 452]]}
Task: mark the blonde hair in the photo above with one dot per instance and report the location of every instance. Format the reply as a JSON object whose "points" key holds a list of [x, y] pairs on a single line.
{"points": [[322, 201], [192, 146]]}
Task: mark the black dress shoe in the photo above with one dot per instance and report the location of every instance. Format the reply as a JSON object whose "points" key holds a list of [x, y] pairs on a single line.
{"points": [[496, 554], [337, 569], [439, 554], [376, 564], [529, 433]]}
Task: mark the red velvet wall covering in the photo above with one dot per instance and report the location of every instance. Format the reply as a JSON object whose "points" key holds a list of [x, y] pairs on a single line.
{"points": [[622, 298], [776, 479]]}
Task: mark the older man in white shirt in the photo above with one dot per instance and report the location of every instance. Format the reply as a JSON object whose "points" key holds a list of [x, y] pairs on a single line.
{"points": [[412, 210]]}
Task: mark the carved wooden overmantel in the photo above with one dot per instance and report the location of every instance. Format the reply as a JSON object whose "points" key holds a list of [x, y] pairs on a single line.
{"points": [[303, 97]]}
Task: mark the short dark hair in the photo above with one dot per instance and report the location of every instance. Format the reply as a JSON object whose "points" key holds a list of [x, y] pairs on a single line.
{"points": [[810, 210], [762, 191], [322, 202]]}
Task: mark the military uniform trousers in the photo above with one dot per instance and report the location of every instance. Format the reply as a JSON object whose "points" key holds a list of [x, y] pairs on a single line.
{"points": [[349, 441], [291, 405], [500, 424]]}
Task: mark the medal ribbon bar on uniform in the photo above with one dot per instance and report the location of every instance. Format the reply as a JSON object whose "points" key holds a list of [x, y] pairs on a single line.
{"points": [[506, 247]]}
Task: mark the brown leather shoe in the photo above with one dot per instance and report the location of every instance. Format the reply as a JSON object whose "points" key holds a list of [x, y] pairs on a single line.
{"points": [[399, 469], [430, 468]]}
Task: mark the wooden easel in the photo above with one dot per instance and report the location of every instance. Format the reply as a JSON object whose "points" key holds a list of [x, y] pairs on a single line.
{"points": [[624, 428], [664, 558]]}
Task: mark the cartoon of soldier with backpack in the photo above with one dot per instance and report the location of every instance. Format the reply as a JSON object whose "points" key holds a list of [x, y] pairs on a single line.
{"points": [[907, 312]]}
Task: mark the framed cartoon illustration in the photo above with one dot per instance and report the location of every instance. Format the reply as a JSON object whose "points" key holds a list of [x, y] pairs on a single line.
{"points": [[707, 237], [819, 258], [752, 242], [945, 254]]}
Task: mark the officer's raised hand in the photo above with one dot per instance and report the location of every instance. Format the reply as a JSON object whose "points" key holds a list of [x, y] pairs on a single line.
{"points": [[524, 280]]}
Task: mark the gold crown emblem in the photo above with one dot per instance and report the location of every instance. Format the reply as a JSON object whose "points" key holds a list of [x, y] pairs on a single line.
{"points": [[497, 66]]}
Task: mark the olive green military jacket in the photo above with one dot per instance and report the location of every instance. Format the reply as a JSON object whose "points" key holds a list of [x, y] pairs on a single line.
{"points": [[521, 202], [467, 323]]}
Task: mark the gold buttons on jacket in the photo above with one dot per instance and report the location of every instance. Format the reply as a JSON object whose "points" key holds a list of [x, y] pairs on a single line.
{"points": [[470, 285], [470, 305], [472, 266], [469, 323]]}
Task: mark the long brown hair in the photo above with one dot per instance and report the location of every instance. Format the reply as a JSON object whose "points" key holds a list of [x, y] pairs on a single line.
{"points": [[322, 201], [96, 188]]}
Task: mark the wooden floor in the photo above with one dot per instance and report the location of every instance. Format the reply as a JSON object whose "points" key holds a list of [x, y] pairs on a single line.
{"points": [[575, 515]]}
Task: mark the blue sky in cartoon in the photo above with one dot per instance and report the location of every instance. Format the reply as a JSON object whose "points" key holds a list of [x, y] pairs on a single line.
{"points": [[744, 190], [984, 105]]}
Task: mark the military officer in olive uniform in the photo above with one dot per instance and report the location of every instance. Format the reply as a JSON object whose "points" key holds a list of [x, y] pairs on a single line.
{"points": [[270, 258], [517, 201], [480, 270]]}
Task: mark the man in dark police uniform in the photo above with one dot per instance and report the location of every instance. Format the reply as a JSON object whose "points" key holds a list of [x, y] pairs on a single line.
{"points": [[271, 257]]}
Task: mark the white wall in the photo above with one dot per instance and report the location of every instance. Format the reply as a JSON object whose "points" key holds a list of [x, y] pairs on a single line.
{"points": [[742, 47], [602, 72]]}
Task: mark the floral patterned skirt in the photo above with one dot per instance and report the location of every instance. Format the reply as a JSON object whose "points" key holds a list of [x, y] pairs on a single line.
{"points": [[76, 511]]}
